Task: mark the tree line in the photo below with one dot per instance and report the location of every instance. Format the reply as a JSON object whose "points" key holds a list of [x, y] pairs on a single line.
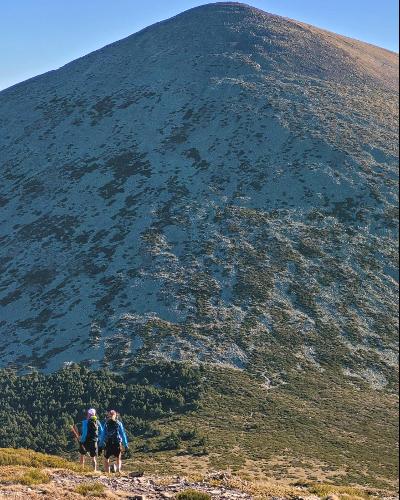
{"points": [[37, 410]]}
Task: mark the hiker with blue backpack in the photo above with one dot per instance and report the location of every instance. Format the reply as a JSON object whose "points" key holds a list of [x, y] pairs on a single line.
{"points": [[113, 440], [89, 438]]}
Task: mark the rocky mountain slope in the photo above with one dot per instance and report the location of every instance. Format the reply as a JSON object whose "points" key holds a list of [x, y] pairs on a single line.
{"points": [[220, 187]]}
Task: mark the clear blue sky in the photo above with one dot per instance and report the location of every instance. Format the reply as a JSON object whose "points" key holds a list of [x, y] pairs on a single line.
{"points": [[39, 35]]}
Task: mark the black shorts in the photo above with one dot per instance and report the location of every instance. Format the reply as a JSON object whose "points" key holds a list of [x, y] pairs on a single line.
{"points": [[89, 448], [112, 450]]}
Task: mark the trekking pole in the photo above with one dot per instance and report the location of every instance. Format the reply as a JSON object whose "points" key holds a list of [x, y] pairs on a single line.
{"points": [[75, 432]]}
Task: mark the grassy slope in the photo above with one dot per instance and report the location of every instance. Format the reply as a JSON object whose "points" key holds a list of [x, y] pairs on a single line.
{"points": [[312, 428]]}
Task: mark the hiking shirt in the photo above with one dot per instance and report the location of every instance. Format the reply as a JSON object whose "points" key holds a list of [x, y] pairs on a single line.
{"points": [[121, 435], [85, 430]]}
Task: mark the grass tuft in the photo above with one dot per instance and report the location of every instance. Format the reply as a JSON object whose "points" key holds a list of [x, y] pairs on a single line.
{"points": [[90, 489], [192, 495], [34, 476]]}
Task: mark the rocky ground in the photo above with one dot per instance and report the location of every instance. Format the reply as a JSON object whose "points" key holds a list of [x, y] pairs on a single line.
{"points": [[65, 484], [149, 488]]}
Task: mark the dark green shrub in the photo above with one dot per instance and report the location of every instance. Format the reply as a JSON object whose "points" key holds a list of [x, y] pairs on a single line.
{"points": [[171, 442], [37, 410]]}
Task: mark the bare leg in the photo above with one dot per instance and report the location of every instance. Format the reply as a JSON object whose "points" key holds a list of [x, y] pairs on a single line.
{"points": [[119, 463], [106, 465], [95, 464], [82, 461]]}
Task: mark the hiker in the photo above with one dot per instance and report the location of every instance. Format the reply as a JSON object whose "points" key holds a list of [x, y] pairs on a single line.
{"points": [[89, 439], [112, 440]]}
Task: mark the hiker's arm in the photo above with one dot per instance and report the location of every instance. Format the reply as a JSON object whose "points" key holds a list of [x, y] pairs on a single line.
{"points": [[84, 431], [123, 435]]}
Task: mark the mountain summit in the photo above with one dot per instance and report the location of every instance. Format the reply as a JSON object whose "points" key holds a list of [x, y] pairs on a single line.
{"points": [[219, 187]]}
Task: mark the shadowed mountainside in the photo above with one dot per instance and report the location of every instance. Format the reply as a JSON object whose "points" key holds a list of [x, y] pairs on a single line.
{"points": [[220, 187]]}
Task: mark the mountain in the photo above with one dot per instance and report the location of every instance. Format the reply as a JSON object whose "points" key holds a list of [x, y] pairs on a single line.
{"points": [[220, 186]]}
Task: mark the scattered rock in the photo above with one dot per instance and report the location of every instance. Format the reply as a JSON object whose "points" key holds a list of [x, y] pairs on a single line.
{"points": [[136, 474]]}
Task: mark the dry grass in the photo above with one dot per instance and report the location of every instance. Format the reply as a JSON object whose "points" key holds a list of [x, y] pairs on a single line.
{"points": [[343, 492], [29, 458], [48, 491], [267, 489], [262, 489], [26, 476]]}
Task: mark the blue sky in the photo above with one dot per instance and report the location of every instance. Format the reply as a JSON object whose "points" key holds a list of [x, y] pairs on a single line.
{"points": [[39, 35]]}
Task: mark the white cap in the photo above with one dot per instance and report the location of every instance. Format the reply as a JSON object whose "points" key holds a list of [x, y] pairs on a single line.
{"points": [[91, 412]]}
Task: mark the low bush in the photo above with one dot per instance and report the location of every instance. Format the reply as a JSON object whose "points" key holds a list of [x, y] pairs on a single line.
{"points": [[193, 495]]}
